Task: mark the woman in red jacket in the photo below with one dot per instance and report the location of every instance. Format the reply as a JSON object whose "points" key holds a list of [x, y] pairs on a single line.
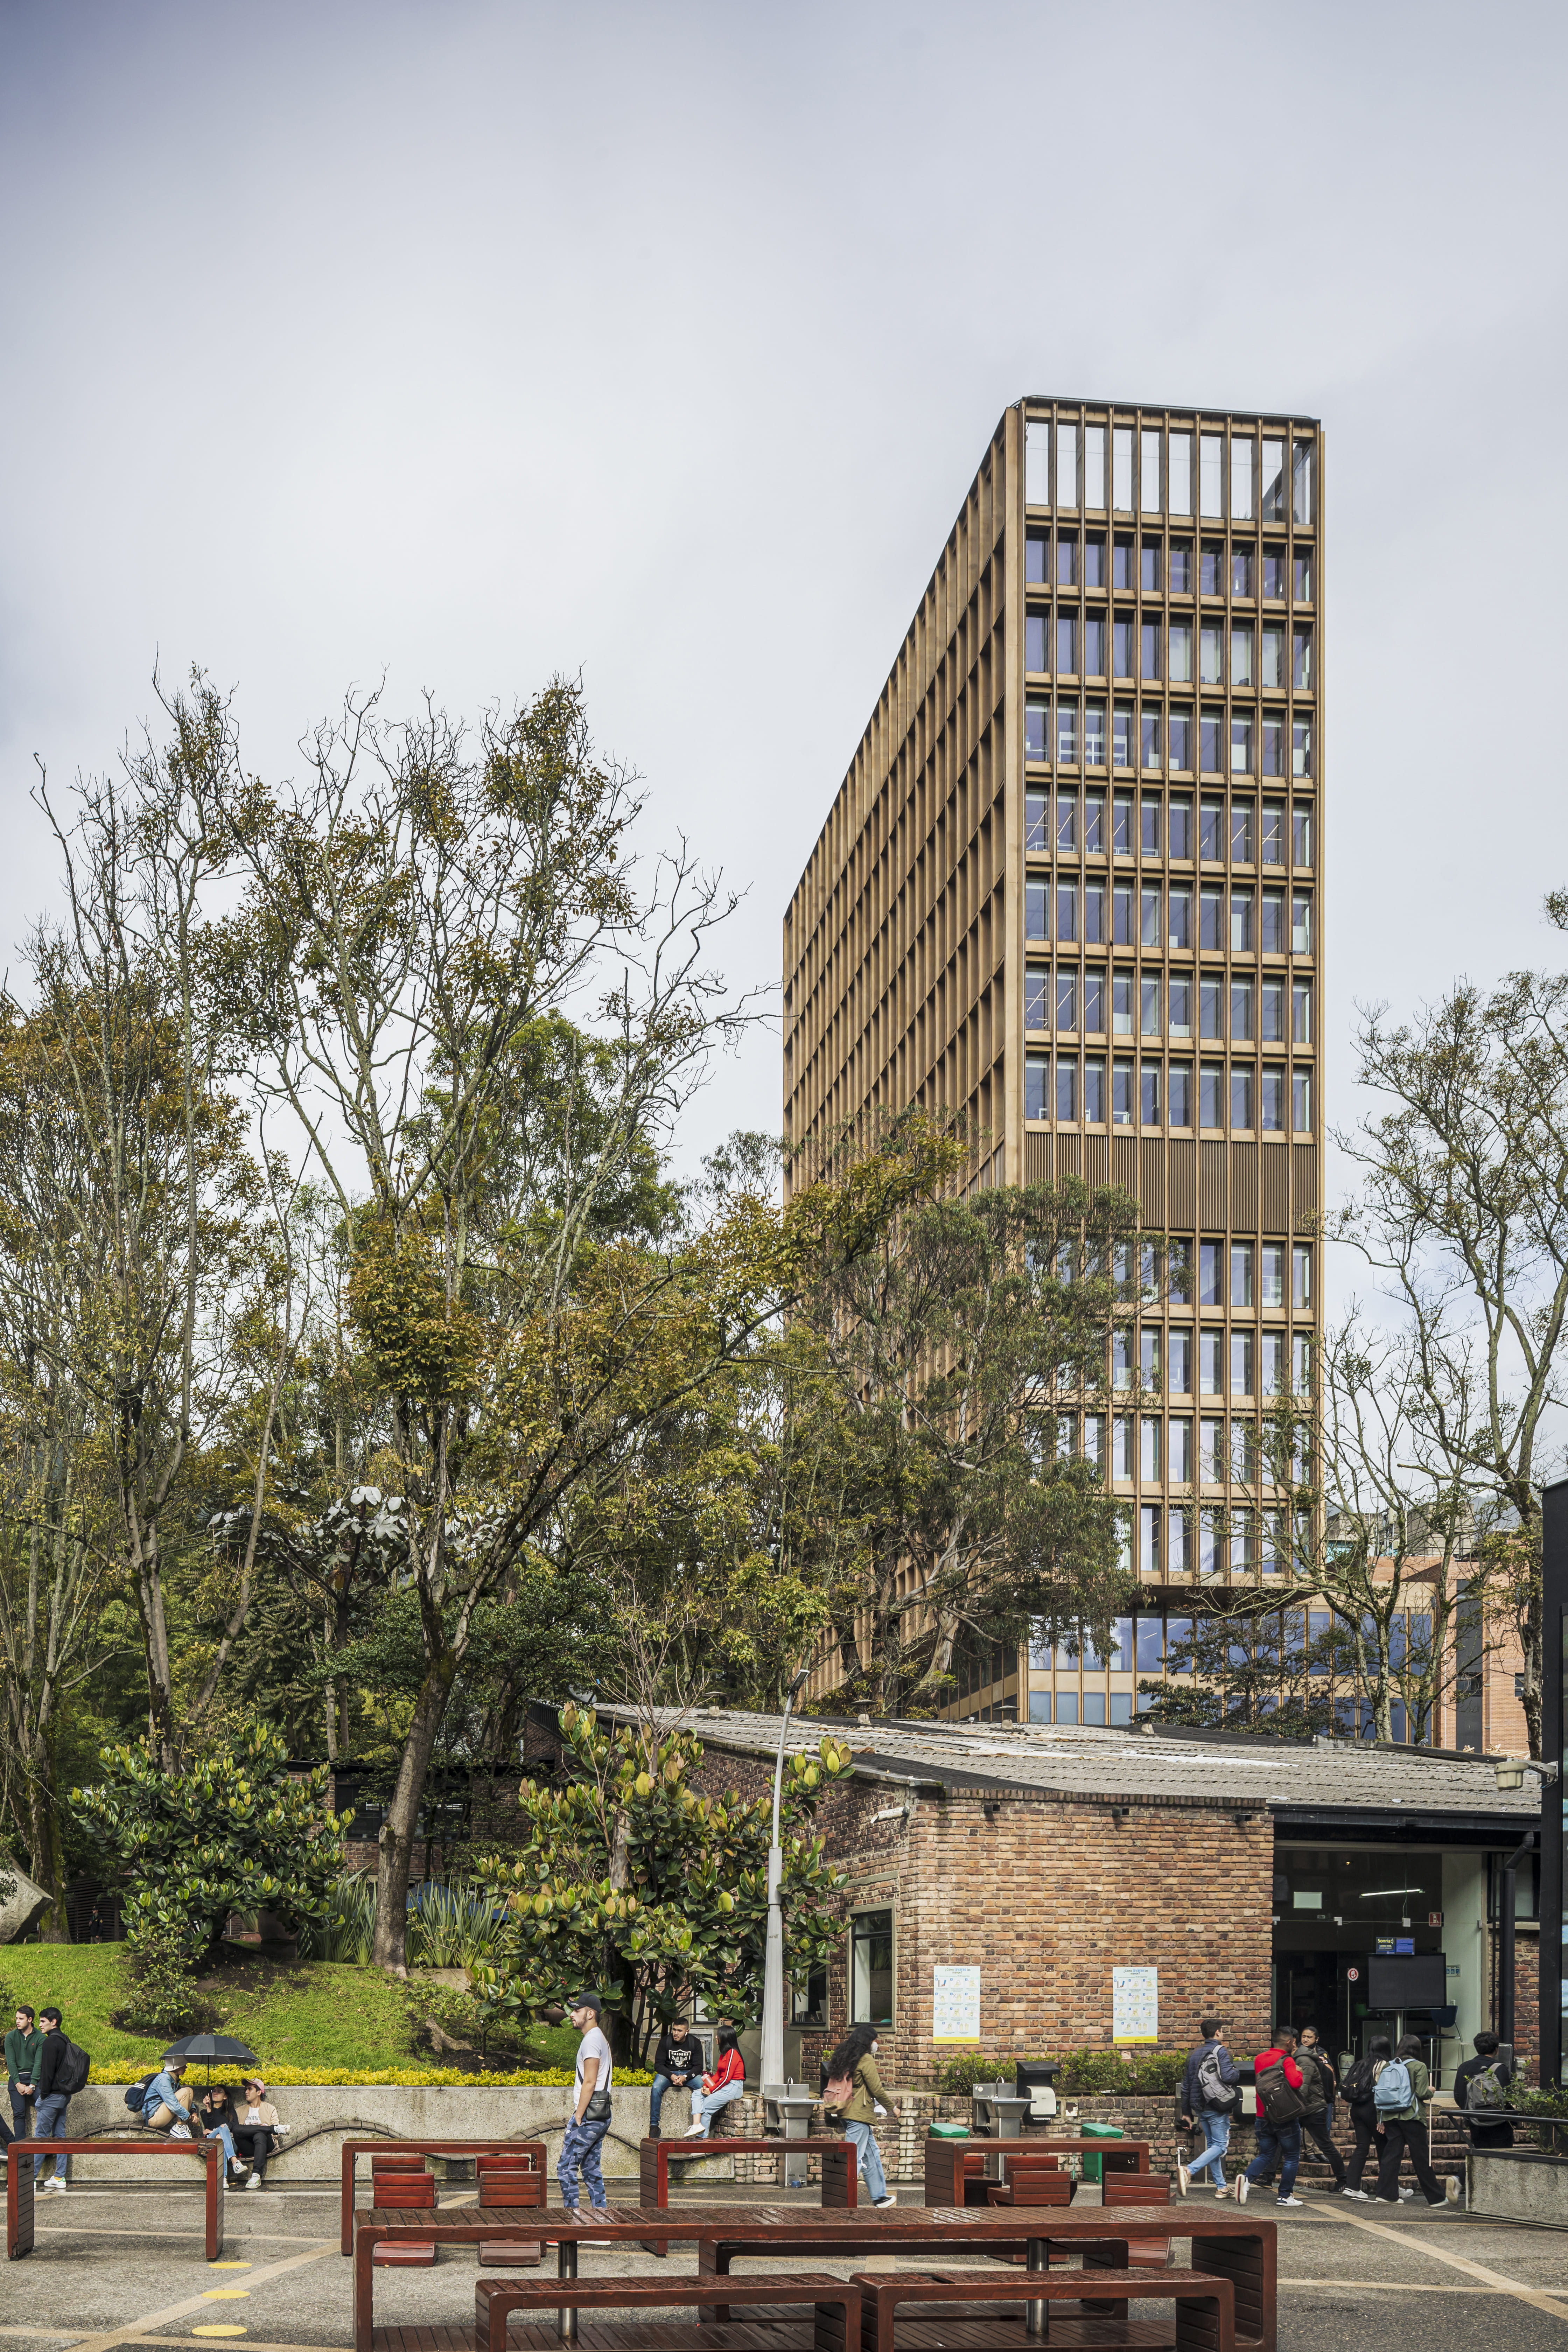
{"points": [[726, 2081]]}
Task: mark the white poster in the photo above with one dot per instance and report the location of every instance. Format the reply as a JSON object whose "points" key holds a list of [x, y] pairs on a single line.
{"points": [[956, 2005], [1134, 2005]]}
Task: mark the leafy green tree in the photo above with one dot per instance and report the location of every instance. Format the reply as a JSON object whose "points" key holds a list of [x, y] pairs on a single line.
{"points": [[630, 1881], [231, 1831]]}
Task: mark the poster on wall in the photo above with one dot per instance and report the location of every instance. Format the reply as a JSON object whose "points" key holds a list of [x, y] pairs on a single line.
{"points": [[1134, 2005], [956, 2005]]}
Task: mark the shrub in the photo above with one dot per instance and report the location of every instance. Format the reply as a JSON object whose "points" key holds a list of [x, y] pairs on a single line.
{"points": [[161, 1994], [959, 2074], [1150, 2072], [345, 1930]]}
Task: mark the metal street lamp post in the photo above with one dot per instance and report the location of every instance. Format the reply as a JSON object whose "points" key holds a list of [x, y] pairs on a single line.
{"points": [[773, 2058]]}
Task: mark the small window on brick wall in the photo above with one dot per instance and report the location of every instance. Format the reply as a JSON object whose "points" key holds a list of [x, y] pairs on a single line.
{"points": [[811, 1999], [871, 1968]]}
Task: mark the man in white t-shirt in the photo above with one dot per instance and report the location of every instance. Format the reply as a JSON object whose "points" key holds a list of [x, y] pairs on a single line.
{"points": [[590, 2105]]}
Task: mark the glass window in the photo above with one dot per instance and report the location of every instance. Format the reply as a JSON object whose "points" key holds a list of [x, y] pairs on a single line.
{"points": [[1211, 832], [1149, 470], [1149, 1354], [1241, 1008], [1211, 568], [1149, 916], [1094, 467], [1121, 564], [1241, 1274], [1121, 1094], [1181, 1093], [1149, 733], [1272, 482], [1274, 575], [1271, 1259], [1036, 657], [1211, 654], [1240, 1095], [1211, 1361], [1149, 1447], [1302, 1011], [1094, 727], [1180, 918], [1121, 735], [1211, 1095], [1036, 550], [1067, 733], [1179, 1342], [1121, 1378], [1094, 628], [1302, 830], [1150, 1645], [1211, 733], [1181, 651], [1067, 820], [1181, 826], [1034, 924], [1241, 922], [1243, 451], [1301, 922], [1067, 909], [1241, 1378], [871, 1968], [1094, 1000], [1301, 1276], [1302, 660], [1241, 655], [1066, 463], [1066, 997], [1149, 640], [1037, 462], [1301, 482], [1150, 813], [1122, 824], [1094, 825], [1180, 1021], [1273, 732], [1273, 853], [1035, 991], [1241, 743], [1211, 473], [1122, 983], [1122, 467], [1094, 1094], [1211, 996], [1066, 643], [1271, 1098], [1149, 566], [1067, 559], [1066, 1087], [1300, 747], [1301, 1101], [1094, 914], [1094, 560], [1241, 817], [1273, 669], [1036, 721], [1066, 1705], [1149, 1094], [1035, 1067], [1301, 579], [1034, 823], [1241, 562], [1302, 1376], [1122, 632], [1181, 474], [1181, 567], [1182, 740], [1271, 1012], [1272, 929], [1211, 924], [1121, 915]]}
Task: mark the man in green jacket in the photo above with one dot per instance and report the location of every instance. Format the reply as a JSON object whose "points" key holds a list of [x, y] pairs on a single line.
{"points": [[23, 2044]]}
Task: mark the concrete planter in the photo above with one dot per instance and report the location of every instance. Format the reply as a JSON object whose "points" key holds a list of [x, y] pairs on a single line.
{"points": [[1519, 2184]]}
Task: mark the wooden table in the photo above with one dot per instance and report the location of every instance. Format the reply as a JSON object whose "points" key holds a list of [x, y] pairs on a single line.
{"points": [[1234, 2244], [944, 2173], [19, 2199], [532, 2151], [658, 2155]]}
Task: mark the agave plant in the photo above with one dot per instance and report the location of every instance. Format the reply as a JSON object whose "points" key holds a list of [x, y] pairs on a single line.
{"points": [[345, 1930], [451, 1925]]}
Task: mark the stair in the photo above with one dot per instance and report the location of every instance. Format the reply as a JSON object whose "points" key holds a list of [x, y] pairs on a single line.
{"points": [[1450, 2145]]}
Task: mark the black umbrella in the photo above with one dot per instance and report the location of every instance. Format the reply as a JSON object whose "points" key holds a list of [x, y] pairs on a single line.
{"points": [[210, 2046]]}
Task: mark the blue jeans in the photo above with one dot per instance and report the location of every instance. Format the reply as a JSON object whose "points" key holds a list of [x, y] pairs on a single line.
{"points": [[662, 2083], [705, 2104], [222, 2131], [580, 2150], [868, 2159], [1276, 2143], [49, 2123], [1216, 2137]]}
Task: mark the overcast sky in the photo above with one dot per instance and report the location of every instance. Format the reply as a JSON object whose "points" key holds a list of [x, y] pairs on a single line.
{"points": [[476, 342]]}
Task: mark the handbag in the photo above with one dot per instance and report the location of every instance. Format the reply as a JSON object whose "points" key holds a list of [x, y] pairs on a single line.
{"points": [[597, 2110]]}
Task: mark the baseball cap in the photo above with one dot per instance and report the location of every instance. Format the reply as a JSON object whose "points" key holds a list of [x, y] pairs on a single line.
{"points": [[587, 2000]]}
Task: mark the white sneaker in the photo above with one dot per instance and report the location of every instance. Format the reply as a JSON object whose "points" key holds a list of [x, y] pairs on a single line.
{"points": [[1361, 2195], [54, 2183], [884, 2200], [1242, 2186], [256, 2182], [695, 2131], [1184, 2178], [1407, 2196], [1284, 2204]]}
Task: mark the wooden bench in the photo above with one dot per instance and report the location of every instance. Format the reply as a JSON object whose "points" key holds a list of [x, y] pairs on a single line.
{"points": [[19, 2199], [508, 2185], [836, 2305], [531, 2152], [402, 2184], [1205, 2306]]}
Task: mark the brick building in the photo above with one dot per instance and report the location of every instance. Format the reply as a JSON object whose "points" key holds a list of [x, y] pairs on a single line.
{"points": [[1256, 1877]]}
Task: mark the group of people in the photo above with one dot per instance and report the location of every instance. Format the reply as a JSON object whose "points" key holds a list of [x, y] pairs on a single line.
{"points": [[1387, 2093], [36, 2052]]}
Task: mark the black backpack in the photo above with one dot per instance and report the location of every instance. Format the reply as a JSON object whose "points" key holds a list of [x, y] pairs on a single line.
{"points": [[1359, 2081], [70, 2075], [1281, 2100], [136, 2096]]}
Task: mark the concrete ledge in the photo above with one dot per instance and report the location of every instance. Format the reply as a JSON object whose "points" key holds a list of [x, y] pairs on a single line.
{"points": [[1519, 2184], [320, 2119]]}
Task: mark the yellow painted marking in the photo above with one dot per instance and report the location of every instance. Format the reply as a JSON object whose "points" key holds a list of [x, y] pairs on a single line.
{"points": [[228, 2266], [1541, 2297], [225, 2294], [217, 2331]]}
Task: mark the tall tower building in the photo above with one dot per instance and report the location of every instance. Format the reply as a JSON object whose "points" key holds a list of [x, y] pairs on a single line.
{"points": [[1071, 886]]}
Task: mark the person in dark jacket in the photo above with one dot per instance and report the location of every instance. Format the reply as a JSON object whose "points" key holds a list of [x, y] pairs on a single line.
{"points": [[1194, 2105], [23, 2043], [1404, 2133], [677, 2065], [1364, 2117], [1277, 2142], [50, 2115], [1321, 2090], [1483, 2134]]}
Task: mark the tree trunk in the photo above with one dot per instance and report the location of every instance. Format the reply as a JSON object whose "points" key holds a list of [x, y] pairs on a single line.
{"points": [[48, 1864], [394, 1860]]}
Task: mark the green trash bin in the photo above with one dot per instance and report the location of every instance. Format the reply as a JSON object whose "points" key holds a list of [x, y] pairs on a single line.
{"points": [[1092, 2167], [950, 2131]]}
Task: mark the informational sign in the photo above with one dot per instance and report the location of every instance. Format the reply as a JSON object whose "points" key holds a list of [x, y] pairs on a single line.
{"points": [[1352, 1976], [956, 2005], [1134, 2005]]}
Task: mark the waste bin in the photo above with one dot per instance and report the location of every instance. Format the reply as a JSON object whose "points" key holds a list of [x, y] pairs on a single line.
{"points": [[950, 2131], [1092, 2167]]}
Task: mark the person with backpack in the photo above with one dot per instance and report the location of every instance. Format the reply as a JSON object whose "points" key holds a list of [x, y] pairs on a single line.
{"points": [[1280, 2107], [1210, 2095], [1481, 2083], [23, 2043], [1400, 2091], [1322, 2088], [1359, 2086], [62, 2071], [854, 2090]]}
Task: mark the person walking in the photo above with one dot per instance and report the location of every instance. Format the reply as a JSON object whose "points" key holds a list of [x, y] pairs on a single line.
{"points": [[855, 2089], [1322, 2088], [1359, 2084], [674, 2067], [1280, 2083], [1209, 2096], [255, 2128], [53, 2095], [591, 2107], [719, 2088], [1401, 2093], [23, 2043], [1479, 2084]]}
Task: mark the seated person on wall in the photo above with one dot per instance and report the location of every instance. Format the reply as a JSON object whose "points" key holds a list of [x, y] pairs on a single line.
{"points": [[256, 2129], [218, 2119], [166, 2100], [677, 2063], [725, 2083]]}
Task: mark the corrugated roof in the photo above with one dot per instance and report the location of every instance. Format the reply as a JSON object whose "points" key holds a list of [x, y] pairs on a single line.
{"points": [[1331, 1775]]}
